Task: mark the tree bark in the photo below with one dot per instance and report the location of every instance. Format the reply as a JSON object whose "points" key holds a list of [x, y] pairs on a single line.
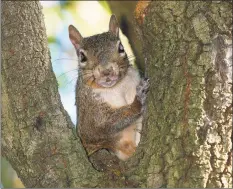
{"points": [[37, 137], [188, 49], [186, 139]]}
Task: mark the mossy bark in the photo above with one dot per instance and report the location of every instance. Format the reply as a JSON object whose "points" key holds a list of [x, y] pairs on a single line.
{"points": [[188, 49], [186, 138]]}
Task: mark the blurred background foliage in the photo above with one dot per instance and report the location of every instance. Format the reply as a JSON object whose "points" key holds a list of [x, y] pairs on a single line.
{"points": [[89, 17]]}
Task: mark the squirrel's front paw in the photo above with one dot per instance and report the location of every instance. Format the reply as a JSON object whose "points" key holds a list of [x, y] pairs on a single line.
{"points": [[142, 90]]}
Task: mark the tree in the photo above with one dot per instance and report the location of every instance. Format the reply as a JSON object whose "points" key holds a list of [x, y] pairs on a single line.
{"points": [[186, 136], [188, 51]]}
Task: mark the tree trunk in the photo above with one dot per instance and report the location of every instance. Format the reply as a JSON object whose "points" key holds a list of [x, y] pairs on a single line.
{"points": [[37, 136], [188, 49], [186, 141]]}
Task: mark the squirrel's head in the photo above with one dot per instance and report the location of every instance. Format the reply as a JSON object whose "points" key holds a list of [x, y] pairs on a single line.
{"points": [[102, 59]]}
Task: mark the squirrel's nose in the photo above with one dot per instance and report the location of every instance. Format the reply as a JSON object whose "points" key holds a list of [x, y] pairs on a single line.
{"points": [[107, 72]]}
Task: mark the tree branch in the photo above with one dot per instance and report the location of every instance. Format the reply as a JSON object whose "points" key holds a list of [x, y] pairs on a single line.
{"points": [[37, 135]]}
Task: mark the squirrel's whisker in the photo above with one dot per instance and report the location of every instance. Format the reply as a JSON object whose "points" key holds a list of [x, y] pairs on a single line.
{"points": [[75, 78], [84, 74], [87, 71], [64, 59], [66, 73], [87, 78]]}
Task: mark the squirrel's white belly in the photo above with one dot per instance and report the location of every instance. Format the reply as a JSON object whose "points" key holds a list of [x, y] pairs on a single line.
{"points": [[123, 93], [118, 96]]}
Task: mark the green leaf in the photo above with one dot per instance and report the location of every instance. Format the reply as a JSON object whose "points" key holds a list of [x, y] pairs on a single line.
{"points": [[105, 5], [51, 39]]}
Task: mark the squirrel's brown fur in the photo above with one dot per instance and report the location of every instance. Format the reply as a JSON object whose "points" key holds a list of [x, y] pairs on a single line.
{"points": [[110, 95]]}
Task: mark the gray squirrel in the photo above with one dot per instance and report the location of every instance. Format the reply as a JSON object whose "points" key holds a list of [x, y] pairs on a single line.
{"points": [[110, 94]]}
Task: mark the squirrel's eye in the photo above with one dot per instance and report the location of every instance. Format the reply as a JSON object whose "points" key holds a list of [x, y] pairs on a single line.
{"points": [[121, 48], [83, 58]]}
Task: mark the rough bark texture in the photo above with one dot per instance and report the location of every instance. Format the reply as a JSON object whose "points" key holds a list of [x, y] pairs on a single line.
{"points": [[37, 135], [188, 49], [187, 139]]}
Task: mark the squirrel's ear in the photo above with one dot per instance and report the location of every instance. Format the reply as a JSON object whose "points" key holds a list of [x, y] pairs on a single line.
{"points": [[75, 36], [113, 26]]}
